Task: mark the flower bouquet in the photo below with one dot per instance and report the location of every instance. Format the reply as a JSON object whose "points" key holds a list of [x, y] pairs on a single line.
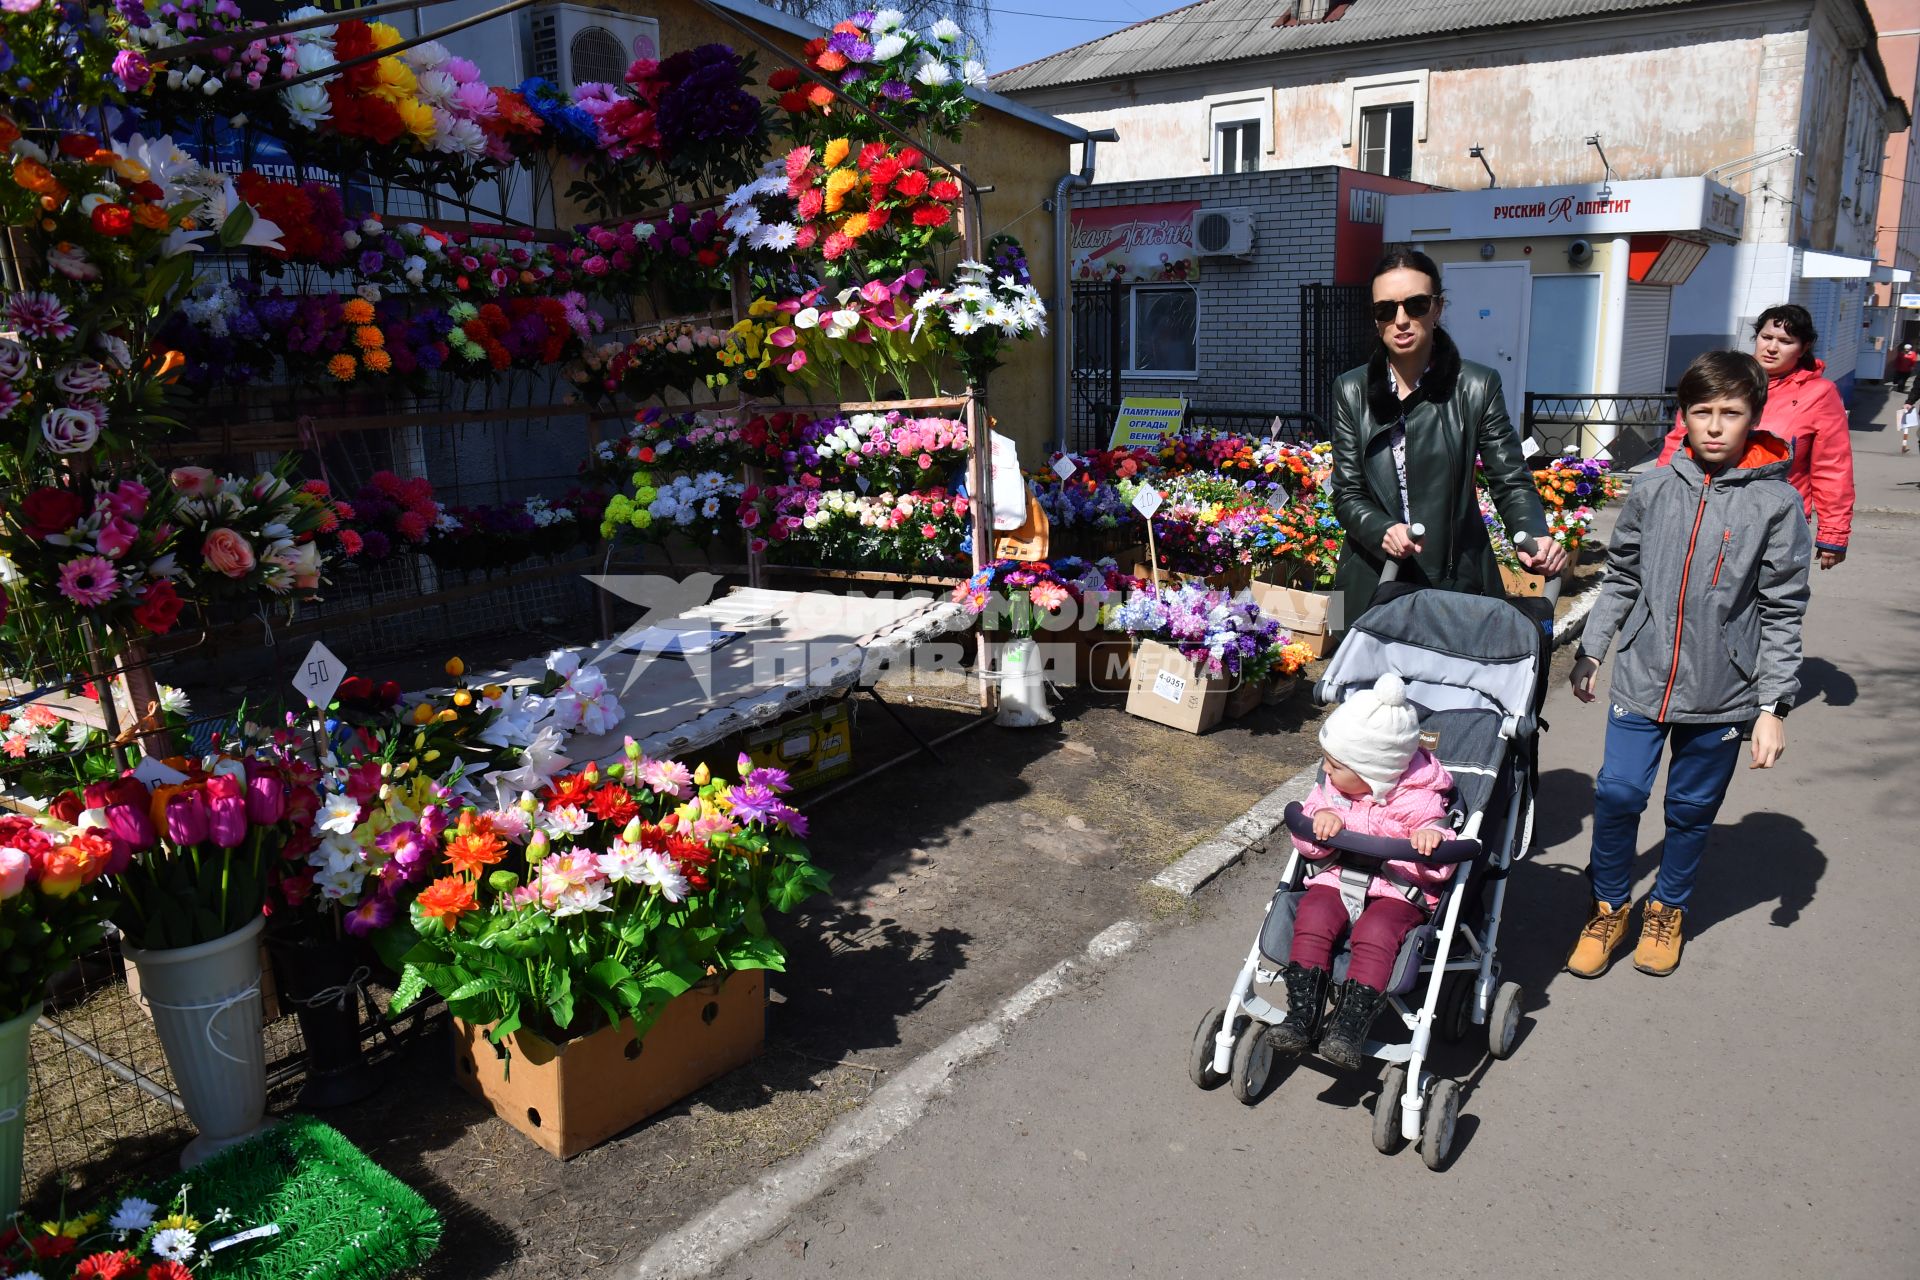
{"points": [[96, 549], [676, 441], [483, 538], [593, 905], [1576, 482], [802, 523], [867, 328], [1014, 598], [1220, 633], [701, 507], [243, 536], [916, 81], [890, 451], [868, 209], [134, 1242], [391, 515], [677, 357], [977, 314]]}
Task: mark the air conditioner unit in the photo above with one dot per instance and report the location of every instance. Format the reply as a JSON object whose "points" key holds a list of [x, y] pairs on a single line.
{"points": [[1223, 233], [572, 45]]}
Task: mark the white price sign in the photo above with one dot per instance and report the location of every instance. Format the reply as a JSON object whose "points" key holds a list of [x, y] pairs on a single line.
{"points": [[1064, 466], [319, 675], [1148, 501], [864, 483], [1529, 447], [155, 772]]}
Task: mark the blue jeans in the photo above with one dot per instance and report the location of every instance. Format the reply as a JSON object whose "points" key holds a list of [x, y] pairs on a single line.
{"points": [[1701, 768]]}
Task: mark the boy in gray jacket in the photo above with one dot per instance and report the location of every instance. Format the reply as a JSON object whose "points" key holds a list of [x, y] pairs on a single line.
{"points": [[1705, 589]]}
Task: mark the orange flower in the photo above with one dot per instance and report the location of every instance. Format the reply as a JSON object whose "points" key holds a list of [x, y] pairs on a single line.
{"points": [[835, 153], [820, 95], [34, 176], [343, 367], [150, 216], [369, 337], [473, 852], [357, 311], [855, 227], [9, 132], [446, 900], [839, 183], [378, 361]]}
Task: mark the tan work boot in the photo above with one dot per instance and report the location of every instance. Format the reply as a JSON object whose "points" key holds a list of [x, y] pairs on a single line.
{"points": [[1604, 933], [1659, 949]]}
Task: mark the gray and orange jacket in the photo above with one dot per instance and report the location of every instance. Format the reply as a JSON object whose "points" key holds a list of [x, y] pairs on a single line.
{"points": [[1706, 586]]}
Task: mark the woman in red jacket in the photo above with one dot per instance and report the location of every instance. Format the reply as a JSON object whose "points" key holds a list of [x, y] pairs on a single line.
{"points": [[1805, 410]]}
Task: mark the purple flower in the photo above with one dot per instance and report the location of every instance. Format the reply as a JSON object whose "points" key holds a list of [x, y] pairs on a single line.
{"points": [[373, 912], [38, 315], [755, 803], [898, 90], [404, 844], [774, 780], [372, 261], [187, 818]]}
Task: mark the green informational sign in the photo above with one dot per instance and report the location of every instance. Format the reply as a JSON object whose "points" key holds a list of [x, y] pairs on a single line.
{"points": [[1144, 421]]}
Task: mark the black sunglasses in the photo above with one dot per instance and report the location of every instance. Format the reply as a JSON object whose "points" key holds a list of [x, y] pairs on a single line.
{"points": [[1387, 310]]}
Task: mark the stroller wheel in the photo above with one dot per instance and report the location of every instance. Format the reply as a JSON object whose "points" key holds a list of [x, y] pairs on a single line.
{"points": [[1503, 1023], [1386, 1111], [1252, 1063], [1436, 1131], [1200, 1056]]}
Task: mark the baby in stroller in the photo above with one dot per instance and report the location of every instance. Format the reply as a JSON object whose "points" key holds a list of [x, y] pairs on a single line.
{"points": [[1379, 781]]}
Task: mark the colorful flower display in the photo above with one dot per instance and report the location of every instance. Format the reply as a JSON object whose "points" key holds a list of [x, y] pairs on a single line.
{"points": [[1220, 633], [874, 63]]}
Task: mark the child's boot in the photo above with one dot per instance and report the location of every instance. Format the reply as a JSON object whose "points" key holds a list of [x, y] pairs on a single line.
{"points": [[1345, 1042], [1606, 930], [1306, 998], [1659, 949]]}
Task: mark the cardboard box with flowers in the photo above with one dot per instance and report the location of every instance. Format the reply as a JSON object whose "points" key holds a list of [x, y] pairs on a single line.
{"points": [[1197, 647], [599, 942]]}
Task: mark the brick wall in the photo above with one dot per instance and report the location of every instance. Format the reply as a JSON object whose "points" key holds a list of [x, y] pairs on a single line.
{"points": [[1249, 312]]}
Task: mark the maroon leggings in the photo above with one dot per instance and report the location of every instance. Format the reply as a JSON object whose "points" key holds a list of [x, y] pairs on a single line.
{"points": [[1383, 925]]}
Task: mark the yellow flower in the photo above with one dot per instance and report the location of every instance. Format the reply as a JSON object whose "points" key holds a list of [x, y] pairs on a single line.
{"points": [[417, 116], [455, 668], [422, 713], [839, 182], [702, 775], [384, 36], [493, 692], [835, 153], [855, 227], [760, 308]]}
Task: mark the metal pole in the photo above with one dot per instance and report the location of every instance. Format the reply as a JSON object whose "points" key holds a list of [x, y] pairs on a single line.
{"points": [[119, 1068]]}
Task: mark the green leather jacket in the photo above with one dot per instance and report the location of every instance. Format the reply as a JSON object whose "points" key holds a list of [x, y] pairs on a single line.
{"points": [[1455, 416]]}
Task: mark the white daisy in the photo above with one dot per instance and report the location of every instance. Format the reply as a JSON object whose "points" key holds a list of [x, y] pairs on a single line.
{"points": [[175, 701], [963, 323], [888, 47], [933, 74], [134, 1214], [175, 1244], [946, 30], [974, 73]]}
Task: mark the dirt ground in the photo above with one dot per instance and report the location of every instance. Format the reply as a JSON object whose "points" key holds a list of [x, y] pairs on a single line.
{"points": [[954, 884]]}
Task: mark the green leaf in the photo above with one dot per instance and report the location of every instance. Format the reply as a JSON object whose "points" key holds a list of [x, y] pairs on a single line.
{"points": [[234, 229], [413, 985], [757, 953], [560, 997]]}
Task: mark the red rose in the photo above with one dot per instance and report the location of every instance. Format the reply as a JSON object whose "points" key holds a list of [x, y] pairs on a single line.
{"points": [[356, 689], [49, 511], [77, 145], [794, 102], [66, 807], [112, 219], [389, 692], [159, 608]]}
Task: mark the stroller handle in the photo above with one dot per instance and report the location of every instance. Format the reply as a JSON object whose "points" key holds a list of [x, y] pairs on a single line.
{"points": [[1390, 571], [1381, 848], [1527, 542]]}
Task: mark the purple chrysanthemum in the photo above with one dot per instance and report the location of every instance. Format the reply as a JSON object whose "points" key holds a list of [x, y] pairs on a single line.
{"points": [[88, 581], [39, 315]]}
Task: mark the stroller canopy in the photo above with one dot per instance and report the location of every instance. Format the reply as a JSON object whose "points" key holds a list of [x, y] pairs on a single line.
{"points": [[1455, 651]]}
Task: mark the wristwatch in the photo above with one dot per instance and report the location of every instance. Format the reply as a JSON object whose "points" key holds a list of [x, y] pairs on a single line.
{"points": [[1779, 709]]}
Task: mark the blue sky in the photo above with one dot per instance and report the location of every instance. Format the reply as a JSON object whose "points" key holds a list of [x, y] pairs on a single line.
{"points": [[1020, 37]]}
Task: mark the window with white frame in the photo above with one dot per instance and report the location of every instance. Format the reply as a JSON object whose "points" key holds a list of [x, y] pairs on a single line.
{"points": [[1163, 330], [1236, 147], [1386, 139]]}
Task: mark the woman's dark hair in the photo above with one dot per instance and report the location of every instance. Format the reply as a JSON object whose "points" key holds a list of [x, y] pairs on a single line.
{"points": [[1797, 322], [1407, 259], [1724, 375]]}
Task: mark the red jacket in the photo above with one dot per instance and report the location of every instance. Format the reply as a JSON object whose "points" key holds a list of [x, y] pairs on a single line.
{"points": [[1804, 409]]}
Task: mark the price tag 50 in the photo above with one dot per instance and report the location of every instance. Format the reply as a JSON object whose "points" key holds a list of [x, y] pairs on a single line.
{"points": [[319, 675]]}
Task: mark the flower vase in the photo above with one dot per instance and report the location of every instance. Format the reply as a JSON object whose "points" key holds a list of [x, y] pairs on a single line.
{"points": [[205, 1001], [1023, 685], [320, 979], [14, 1077]]}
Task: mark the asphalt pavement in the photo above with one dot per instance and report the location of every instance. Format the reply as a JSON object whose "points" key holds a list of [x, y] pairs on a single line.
{"points": [[1748, 1116]]}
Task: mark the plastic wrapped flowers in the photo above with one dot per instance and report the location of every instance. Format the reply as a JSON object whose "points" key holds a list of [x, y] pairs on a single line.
{"points": [[1219, 632]]}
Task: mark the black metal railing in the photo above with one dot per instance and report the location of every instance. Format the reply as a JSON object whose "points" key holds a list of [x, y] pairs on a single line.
{"points": [[1296, 426], [1336, 334], [1625, 430], [1098, 338]]}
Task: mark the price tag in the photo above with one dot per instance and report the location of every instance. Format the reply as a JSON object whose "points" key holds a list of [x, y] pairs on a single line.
{"points": [[1148, 501], [1064, 467], [1529, 447], [1169, 686], [319, 675], [155, 772], [862, 483], [258, 1233]]}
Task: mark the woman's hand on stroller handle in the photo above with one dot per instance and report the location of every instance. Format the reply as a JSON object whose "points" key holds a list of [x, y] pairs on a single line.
{"points": [[1586, 670], [1544, 556], [1402, 540], [1381, 848]]}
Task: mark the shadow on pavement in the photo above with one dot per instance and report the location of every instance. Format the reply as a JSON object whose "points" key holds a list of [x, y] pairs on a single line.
{"points": [[1765, 857], [1821, 679]]}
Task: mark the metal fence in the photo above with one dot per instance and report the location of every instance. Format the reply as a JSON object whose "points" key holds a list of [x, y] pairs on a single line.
{"points": [[1296, 426], [1099, 332], [1336, 334], [1624, 430]]}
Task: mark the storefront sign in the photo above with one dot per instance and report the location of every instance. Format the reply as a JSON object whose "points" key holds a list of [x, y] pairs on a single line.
{"points": [[1910, 300], [1362, 212], [1613, 209], [1135, 242], [1144, 421]]}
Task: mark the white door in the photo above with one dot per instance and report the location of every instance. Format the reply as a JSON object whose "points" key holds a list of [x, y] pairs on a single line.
{"points": [[1486, 313]]}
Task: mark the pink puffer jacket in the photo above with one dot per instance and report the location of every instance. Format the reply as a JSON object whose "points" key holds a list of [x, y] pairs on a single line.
{"points": [[1418, 800]]}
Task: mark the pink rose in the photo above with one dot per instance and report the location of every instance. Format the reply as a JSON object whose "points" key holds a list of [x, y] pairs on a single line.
{"points": [[228, 553], [129, 499], [117, 537], [191, 482], [14, 866]]}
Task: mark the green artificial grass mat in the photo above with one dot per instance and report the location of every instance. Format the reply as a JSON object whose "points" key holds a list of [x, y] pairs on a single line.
{"points": [[341, 1216]]}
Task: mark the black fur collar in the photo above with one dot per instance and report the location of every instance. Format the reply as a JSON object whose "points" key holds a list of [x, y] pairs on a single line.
{"points": [[1437, 386]]}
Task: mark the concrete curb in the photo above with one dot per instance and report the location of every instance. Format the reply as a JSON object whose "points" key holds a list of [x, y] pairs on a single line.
{"points": [[1566, 630], [1212, 856], [755, 1212]]}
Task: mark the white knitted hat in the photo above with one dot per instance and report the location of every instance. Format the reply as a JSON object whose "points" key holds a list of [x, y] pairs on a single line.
{"points": [[1374, 733]]}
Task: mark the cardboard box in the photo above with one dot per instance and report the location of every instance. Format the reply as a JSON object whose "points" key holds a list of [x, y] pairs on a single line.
{"points": [[814, 747], [573, 1096], [1244, 697], [1167, 689], [1303, 613]]}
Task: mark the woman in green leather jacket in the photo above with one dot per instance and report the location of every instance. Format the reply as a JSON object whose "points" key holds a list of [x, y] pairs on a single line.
{"points": [[1407, 428]]}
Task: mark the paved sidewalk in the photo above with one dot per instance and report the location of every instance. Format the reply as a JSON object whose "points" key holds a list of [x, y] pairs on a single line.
{"points": [[1746, 1117]]}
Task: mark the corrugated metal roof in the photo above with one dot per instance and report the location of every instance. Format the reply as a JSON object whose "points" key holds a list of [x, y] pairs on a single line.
{"points": [[1216, 31]]}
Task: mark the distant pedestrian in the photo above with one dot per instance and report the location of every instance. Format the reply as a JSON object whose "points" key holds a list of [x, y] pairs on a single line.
{"points": [[1408, 427], [1903, 365], [1705, 590], [1909, 423], [1379, 781], [1805, 410]]}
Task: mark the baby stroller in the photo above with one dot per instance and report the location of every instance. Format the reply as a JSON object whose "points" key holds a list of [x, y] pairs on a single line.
{"points": [[1475, 667]]}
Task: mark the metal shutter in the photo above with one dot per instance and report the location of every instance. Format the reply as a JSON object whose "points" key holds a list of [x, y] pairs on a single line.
{"points": [[1643, 339]]}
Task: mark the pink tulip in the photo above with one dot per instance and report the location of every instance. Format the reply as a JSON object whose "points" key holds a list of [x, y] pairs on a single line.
{"points": [[187, 818], [14, 866]]}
